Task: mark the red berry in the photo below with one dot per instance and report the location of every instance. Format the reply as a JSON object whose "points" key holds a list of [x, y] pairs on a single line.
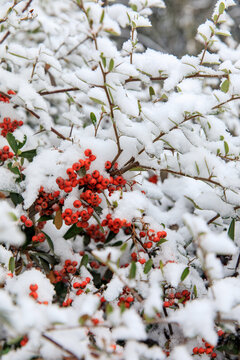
{"points": [[195, 350], [33, 287], [213, 355], [108, 165], [88, 152], [23, 218], [142, 261], [33, 294], [28, 223]]}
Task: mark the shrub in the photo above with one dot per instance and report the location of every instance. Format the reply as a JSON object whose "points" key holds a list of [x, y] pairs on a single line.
{"points": [[119, 185]]}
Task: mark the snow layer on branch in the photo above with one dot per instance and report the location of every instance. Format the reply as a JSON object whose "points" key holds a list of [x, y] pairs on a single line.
{"points": [[197, 319], [10, 233], [20, 285], [132, 327], [114, 289], [135, 351], [225, 293], [153, 302], [208, 240], [180, 352]]}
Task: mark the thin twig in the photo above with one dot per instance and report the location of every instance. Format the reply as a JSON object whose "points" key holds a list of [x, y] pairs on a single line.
{"points": [[27, 5], [5, 36], [42, 93], [213, 219]]}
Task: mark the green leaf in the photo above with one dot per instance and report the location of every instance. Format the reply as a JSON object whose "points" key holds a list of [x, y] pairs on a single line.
{"points": [[73, 231], [225, 86], [29, 154], [109, 309], [84, 260], [21, 144], [123, 247], [148, 266], [93, 118], [185, 273], [231, 230], [45, 218], [221, 8], [117, 243], [12, 142], [162, 241], [11, 264], [103, 60], [226, 147], [102, 17], [16, 198], [111, 65], [134, 7], [198, 171], [13, 216], [111, 236], [45, 265], [195, 291], [97, 101], [13, 169], [49, 240], [151, 91], [133, 270]]}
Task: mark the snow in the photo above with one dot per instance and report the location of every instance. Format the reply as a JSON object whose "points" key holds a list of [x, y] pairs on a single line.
{"points": [[197, 319]]}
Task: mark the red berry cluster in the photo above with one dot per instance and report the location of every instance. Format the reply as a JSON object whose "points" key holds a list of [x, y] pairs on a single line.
{"points": [[70, 267], [24, 340], [9, 126], [27, 222], [81, 286], [150, 236], [116, 224], [207, 348], [40, 237], [96, 234], [126, 299], [91, 185], [5, 154], [47, 203], [134, 257], [33, 293], [182, 297]]}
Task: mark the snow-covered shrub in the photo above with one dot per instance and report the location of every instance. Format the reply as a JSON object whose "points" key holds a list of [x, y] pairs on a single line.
{"points": [[119, 186]]}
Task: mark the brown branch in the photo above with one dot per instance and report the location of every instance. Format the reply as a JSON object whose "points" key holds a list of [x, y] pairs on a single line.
{"points": [[58, 134], [197, 75], [173, 128], [58, 91], [193, 177], [5, 36], [213, 219], [33, 113], [27, 5], [225, 102]]}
